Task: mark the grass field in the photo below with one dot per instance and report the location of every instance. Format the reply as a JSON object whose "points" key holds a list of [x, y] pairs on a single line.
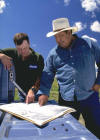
{"points": [[54, 91]]}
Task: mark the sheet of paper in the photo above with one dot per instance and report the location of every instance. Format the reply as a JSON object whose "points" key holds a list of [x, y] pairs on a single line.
{"points": [[35, 113]]}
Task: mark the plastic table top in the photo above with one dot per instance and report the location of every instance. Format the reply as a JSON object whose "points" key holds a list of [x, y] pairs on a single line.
{"points": [[63, 128]]}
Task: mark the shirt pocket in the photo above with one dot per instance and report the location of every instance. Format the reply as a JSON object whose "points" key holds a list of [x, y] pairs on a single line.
{"points": [[59, 62]]}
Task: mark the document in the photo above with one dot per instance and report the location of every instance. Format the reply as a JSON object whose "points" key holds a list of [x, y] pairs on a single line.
{"points": [[35, 113]]}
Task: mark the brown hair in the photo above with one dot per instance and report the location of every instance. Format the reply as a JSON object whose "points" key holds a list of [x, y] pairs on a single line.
{"points": [[19, 37]]}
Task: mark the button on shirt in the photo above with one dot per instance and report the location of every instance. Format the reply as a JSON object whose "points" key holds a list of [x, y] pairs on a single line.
{"points": [[74, 69]]}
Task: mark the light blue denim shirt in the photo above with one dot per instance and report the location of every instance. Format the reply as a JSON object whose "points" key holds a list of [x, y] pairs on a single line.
{"points": [[73, 68]]}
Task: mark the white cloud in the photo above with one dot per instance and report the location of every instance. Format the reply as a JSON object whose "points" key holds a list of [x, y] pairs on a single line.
{"points": [[95, 26], [2, 6], [90, 5], [67, 2], [80, 26], [98, 2]]}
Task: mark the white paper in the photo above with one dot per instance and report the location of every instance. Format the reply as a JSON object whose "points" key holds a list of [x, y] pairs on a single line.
{"points": [[35, 113]]}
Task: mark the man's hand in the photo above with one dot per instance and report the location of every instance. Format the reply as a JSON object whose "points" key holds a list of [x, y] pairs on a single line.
{"points": [[96, 88], [42, 99], [6, 61], [30, 97]]}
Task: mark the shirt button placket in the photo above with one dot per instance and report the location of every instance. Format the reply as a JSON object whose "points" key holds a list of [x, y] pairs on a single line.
{"points": [[74, 80]]}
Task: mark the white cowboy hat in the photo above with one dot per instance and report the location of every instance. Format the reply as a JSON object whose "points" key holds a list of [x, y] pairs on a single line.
{"points": [[59, 25]]}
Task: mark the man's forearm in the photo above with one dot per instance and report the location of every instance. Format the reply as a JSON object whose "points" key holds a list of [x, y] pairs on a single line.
{"points": [[36, 86]]}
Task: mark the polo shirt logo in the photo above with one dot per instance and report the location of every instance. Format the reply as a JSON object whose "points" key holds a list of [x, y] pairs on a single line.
{"points": [[33, 66]]}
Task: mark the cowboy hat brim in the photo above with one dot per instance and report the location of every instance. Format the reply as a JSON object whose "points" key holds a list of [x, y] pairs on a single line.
{"points": [[74, 29]]}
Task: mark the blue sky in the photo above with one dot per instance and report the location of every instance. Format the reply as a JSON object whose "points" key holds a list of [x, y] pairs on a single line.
{"points": [[34, 17]]}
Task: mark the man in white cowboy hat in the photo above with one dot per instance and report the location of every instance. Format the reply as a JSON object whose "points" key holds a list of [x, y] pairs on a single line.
{"points": [[72, 61]]}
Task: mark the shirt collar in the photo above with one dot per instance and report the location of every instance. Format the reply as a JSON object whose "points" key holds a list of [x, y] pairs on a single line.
{"points": [[73, 45]]}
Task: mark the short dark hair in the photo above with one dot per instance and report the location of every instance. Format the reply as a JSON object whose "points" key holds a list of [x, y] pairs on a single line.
{"points": [[19, 37]]}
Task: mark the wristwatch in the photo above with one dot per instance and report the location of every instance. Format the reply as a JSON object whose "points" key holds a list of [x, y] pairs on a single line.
{"points": [[33, 89]]}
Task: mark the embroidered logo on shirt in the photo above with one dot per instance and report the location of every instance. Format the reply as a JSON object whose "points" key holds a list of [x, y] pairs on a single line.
{"points": [[33, 66]]}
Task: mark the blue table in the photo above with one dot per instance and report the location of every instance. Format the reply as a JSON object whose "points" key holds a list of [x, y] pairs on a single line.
{"points": [[63, 128]]}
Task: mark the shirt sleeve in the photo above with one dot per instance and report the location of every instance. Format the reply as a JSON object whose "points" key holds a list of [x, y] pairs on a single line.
{"points": [[11, 52], [47, 77]]}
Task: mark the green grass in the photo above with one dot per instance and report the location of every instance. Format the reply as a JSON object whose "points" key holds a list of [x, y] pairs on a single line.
{"points": [[54, 91], [16, 98]]}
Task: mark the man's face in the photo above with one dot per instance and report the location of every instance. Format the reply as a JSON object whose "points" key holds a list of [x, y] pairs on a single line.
{"points": [[63, 39], [23, 49]]}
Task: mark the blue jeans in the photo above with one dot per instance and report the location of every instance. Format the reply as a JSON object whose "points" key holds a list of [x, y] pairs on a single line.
{"points": [[90, 109]]}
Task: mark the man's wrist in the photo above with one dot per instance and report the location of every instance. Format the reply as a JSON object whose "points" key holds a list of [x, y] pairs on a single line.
{"points": [[33, 89]]}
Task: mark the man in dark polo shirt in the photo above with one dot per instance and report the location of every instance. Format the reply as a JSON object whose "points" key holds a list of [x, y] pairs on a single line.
{"points": [[28, 65]]}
